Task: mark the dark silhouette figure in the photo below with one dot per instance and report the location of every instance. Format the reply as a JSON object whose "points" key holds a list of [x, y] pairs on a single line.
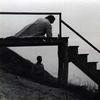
{"points": [[40, 28], [39, 63], [39, 69]]}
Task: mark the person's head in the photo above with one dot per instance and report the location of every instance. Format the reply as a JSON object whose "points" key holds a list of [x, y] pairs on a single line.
{"points": [[39, 59], [51, 18]]}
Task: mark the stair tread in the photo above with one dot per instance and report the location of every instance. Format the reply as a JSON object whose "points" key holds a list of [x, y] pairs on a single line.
{"points": [[72, 50], [91, 62], [92, 65], [83, 54], [98, 71], [82, 58], [73, 46]]}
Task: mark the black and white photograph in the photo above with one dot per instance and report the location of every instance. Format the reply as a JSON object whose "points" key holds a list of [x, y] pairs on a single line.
{"points": [[49, 50]]}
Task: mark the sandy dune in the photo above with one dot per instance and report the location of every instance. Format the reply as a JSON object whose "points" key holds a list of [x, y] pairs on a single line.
{"points": [[16, 88]]}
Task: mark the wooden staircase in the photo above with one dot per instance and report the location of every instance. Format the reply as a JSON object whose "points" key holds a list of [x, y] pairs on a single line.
{"points": [[81, 61]]}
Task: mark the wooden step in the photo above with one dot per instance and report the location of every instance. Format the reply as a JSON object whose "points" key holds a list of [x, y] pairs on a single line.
{"points": [[82, 58], [91, 66], [72, 50], [98, 73]]}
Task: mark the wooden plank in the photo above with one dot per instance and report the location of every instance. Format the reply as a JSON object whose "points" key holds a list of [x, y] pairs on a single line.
{"points": [[36, 41]]}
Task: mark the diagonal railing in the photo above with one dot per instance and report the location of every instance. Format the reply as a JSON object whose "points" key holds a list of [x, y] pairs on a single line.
{"points": [[80, 36]]}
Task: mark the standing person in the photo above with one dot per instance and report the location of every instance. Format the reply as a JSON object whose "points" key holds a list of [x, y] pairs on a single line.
{"points": [[39, 28], [39, 69]]}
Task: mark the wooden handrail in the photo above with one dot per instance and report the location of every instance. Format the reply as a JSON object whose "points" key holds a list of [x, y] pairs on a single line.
{"points": [[80, 36], [29, 13]]}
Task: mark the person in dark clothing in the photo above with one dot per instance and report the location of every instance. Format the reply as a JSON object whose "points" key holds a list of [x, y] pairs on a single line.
{"points": [[39, 69], [39, 64]]}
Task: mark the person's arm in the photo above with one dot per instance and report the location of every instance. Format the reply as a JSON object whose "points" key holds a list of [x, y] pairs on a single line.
{"points": [[49, 30]]}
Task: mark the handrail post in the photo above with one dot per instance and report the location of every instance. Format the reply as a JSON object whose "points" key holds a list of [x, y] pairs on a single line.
{"points": [[60, 25]]}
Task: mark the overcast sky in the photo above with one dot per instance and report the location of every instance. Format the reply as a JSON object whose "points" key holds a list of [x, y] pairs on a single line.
{"points": [[82, 15]]}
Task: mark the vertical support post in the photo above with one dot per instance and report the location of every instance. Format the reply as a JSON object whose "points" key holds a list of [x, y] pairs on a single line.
{"points": [[60, 65], [60, 27], [63, 65]]}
